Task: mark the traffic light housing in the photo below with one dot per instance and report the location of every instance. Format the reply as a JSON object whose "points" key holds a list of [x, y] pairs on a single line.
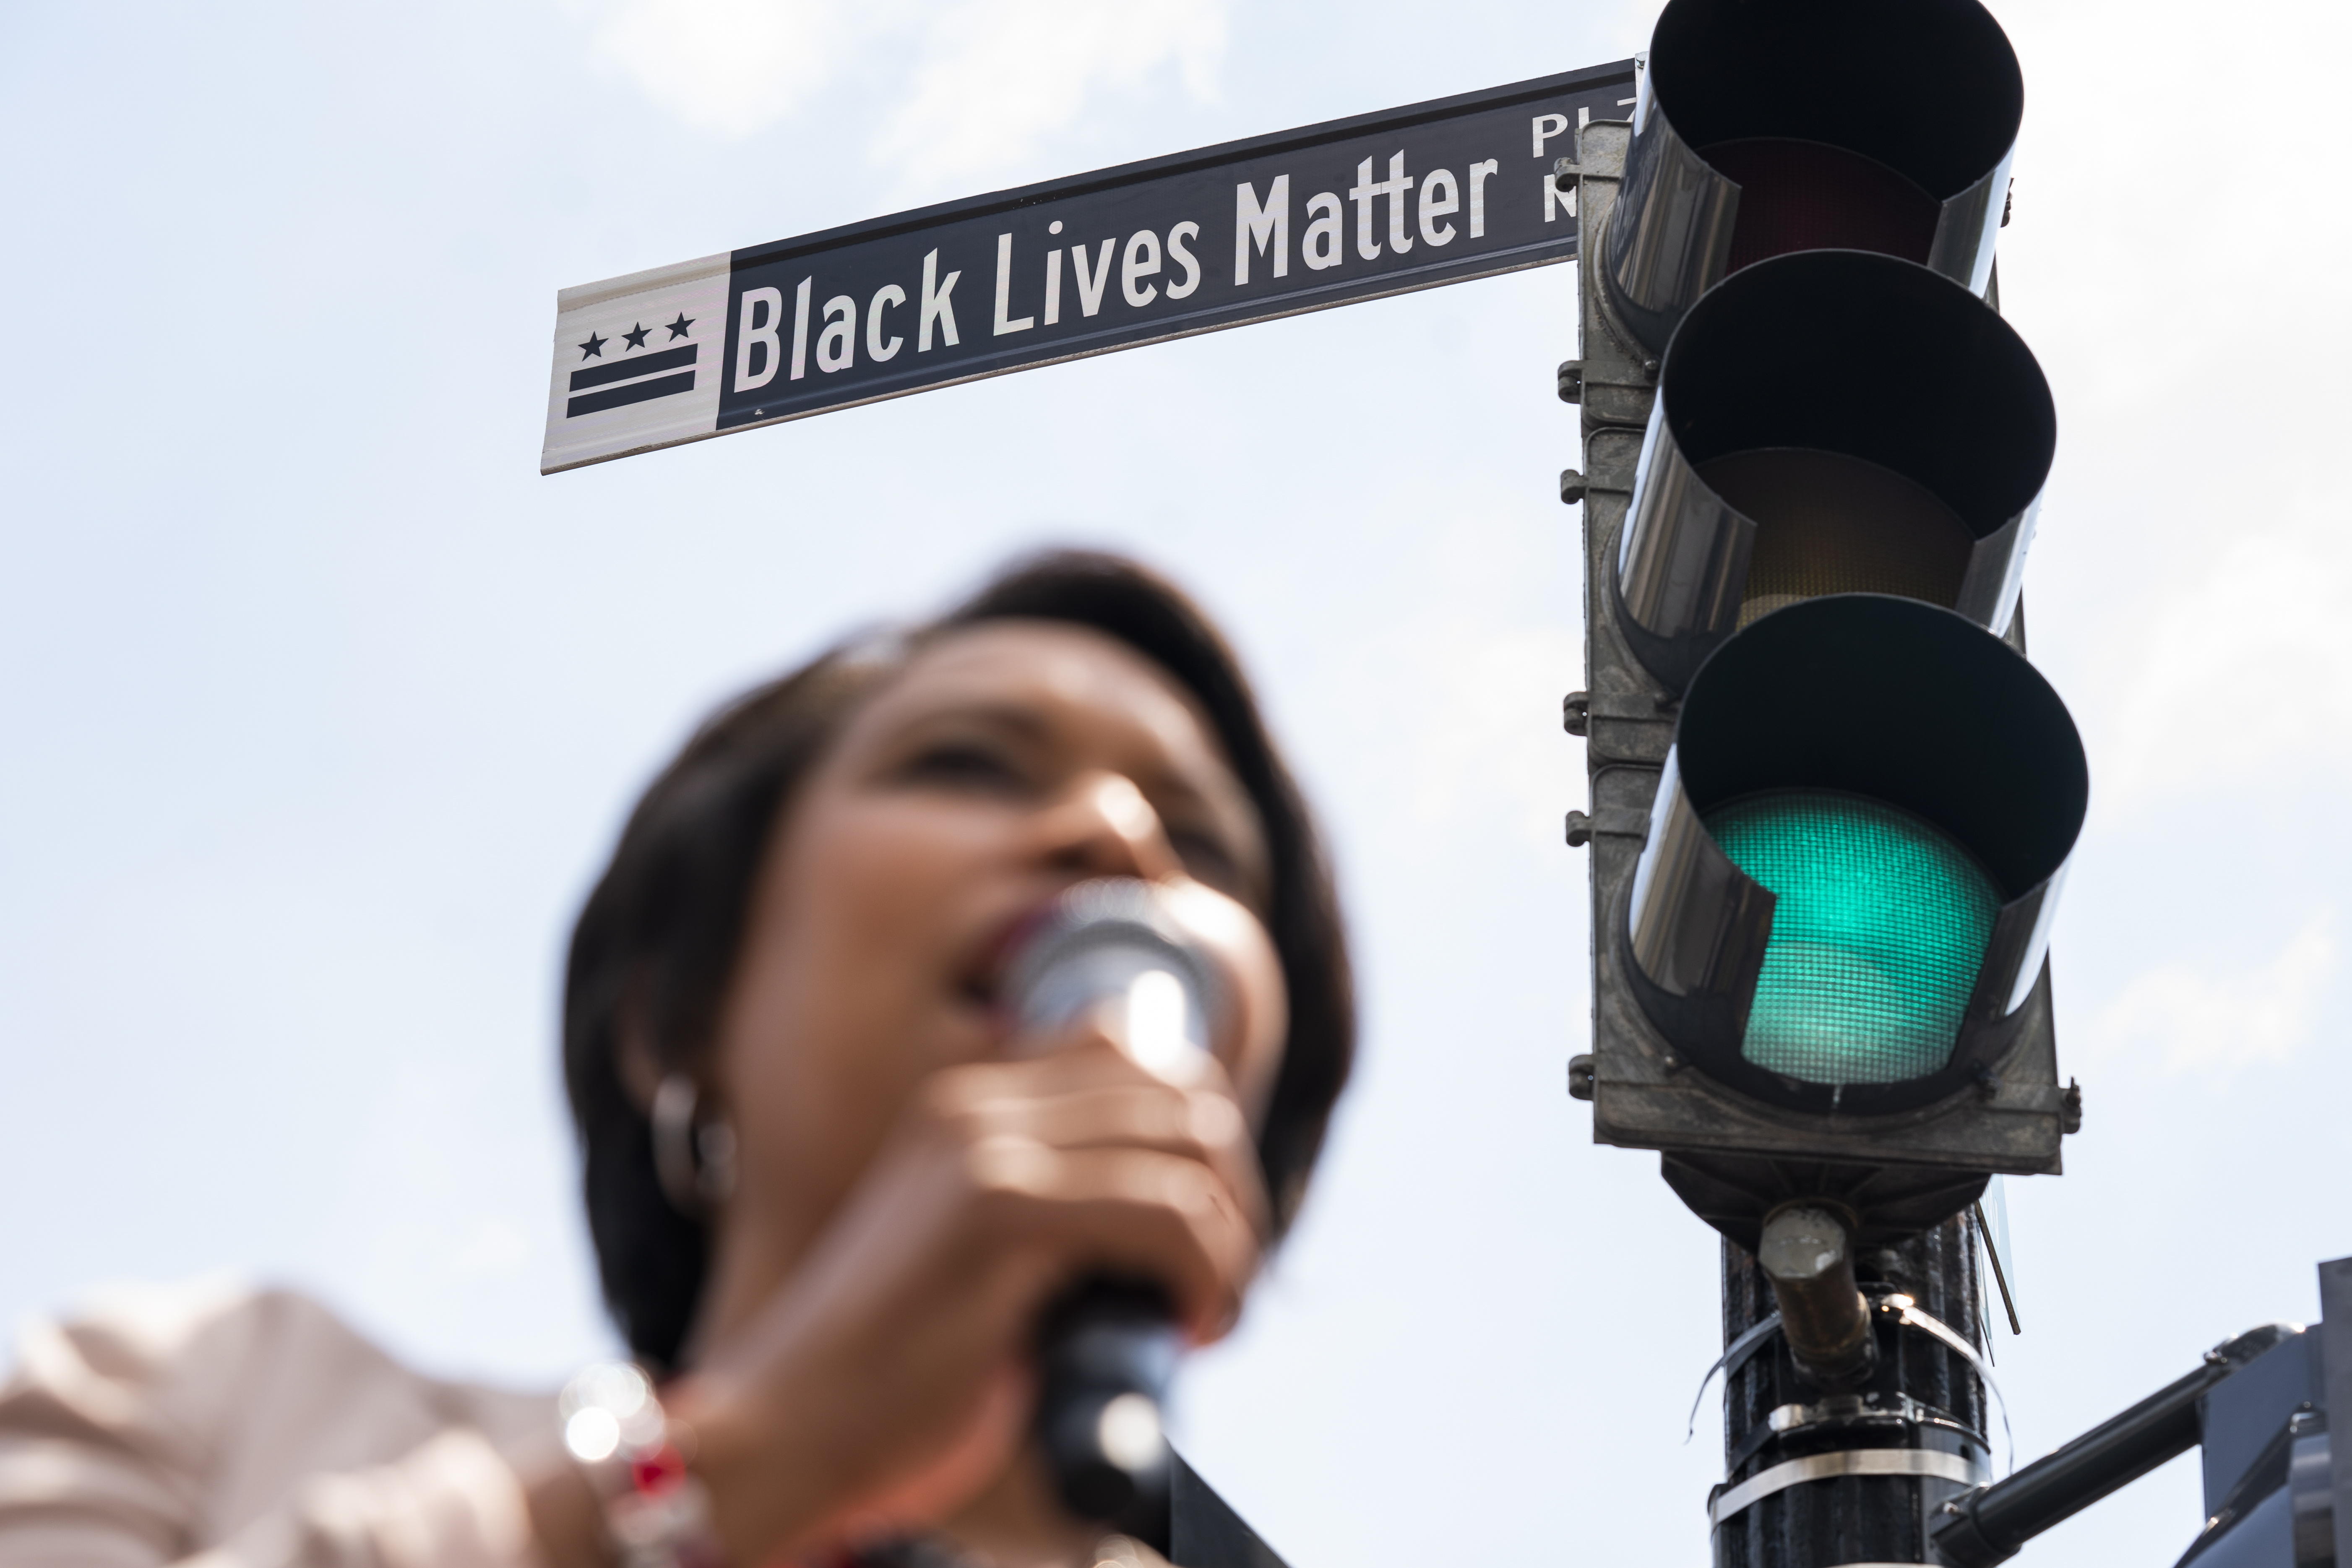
{"points": [[1832, 802]]}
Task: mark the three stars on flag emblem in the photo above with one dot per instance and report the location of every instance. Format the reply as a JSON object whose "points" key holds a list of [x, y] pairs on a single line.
{"points": [[593, 388], [635, 337]]}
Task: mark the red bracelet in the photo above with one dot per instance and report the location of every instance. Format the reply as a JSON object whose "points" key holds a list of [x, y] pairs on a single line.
{"points": [[657, 1510]]}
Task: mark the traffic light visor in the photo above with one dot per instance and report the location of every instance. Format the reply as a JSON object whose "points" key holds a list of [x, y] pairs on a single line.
{"points": [[1770, 126], [1836, 421], [1853, 856]]}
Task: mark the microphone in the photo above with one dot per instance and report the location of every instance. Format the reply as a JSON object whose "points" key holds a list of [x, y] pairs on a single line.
{"points": [[1108, 1347]]}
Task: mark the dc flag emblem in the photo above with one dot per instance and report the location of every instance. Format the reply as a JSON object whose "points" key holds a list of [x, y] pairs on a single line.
{"points": [[630, 377], [636, 362]]}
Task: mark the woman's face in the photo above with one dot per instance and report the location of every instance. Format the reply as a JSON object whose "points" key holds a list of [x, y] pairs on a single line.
{"points": [[1005, 763]]}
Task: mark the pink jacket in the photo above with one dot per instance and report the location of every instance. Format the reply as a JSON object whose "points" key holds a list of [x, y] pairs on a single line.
{"points": [[217, 1426]]}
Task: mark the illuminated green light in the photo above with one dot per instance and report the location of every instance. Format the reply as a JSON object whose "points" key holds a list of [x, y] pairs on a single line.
{"points": [[1880, 924]]}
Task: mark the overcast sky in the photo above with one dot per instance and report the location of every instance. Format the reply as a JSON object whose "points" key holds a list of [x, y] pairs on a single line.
{"points": [[323, 707]]}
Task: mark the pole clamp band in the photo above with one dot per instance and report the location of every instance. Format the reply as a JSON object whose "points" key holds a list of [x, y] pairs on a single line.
{"points": [[1934, 1462]]}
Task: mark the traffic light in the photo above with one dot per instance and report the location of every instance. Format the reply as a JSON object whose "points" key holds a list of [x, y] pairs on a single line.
{"points": [[1832, 802]]}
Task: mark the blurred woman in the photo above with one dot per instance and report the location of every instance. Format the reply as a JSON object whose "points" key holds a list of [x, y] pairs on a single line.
{"points": [[829, 1188]]}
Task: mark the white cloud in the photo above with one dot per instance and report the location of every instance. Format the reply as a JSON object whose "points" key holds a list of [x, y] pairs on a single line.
{"points": [[2245, 641], [979, 82], [998, 75], [2174, 273], [2202, 1016], [1487, 742], [729, 66]]}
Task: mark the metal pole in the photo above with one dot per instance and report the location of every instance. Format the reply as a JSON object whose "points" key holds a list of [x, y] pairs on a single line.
{"points": [[1816, 1479]]}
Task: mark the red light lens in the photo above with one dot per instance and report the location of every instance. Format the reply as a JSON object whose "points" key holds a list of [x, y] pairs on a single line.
{"points": [[1807, 195]]}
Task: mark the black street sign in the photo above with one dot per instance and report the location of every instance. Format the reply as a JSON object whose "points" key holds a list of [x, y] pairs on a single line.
{"points": [[1302, 220]]}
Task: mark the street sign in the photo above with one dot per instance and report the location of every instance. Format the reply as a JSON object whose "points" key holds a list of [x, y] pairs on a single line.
{"points": [[1302, 220]]}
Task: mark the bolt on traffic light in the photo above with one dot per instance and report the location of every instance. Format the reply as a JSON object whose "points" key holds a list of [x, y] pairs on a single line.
{"points": [[1768, 126]]}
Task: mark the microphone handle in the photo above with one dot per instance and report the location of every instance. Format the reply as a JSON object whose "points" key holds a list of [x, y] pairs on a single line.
{"points": [[1107, 1350]]}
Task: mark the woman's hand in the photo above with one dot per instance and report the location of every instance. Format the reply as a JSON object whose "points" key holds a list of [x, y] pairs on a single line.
{"points": [[888, 1381]]}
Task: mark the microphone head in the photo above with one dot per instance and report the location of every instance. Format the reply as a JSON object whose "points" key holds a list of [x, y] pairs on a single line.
{"points": [[1113, 947]]}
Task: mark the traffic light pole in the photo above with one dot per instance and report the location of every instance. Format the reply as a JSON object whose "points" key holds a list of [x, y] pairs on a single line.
{"points": [[1821, 1479]]}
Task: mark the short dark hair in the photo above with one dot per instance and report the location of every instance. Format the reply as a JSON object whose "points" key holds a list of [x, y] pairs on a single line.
{"points": [[657, 940]]}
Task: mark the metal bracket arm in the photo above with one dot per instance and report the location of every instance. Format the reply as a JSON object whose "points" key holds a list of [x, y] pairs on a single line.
{"points": [[1989, 1525]]}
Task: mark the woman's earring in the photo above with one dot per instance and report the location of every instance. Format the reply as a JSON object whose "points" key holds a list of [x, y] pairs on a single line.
{"points": [[693, 1162]]}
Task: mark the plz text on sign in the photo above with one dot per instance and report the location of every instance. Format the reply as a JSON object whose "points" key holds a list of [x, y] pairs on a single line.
{"points": [[1410, 198]]}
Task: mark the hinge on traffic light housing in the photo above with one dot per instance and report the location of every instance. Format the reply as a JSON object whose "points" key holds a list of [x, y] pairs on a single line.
{"points": [[1578, 709], [1620, 822], [1624, 729]]}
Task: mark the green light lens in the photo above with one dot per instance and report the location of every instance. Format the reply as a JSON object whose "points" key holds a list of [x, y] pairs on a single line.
{"points": [[1880, 924]]}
